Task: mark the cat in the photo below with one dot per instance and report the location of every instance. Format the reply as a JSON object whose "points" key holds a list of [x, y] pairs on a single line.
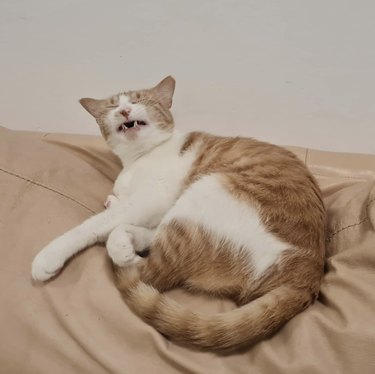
{"points": [[228, 216]]}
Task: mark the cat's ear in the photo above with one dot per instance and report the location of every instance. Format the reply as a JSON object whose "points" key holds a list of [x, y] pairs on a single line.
{"points": [[93, 106], [164, 90]]}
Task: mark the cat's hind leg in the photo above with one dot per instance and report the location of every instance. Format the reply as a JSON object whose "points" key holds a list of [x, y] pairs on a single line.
{"points": [[110, 201]]}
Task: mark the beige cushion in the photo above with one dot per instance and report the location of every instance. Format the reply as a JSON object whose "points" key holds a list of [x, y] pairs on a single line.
{"points": [[78, 322]]}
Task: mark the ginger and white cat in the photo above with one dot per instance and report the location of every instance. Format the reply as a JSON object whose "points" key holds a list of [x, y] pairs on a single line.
{"points": [[231, 217]]}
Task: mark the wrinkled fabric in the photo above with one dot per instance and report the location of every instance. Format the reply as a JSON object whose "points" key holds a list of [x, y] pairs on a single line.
{"points": [[78, 323]]}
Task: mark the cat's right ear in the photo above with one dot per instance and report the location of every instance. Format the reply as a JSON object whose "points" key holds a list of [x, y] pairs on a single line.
{"points": [[93, 106], [164, 91]]}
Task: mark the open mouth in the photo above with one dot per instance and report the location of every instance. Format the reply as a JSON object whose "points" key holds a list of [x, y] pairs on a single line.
{"points": [[130, 125]]}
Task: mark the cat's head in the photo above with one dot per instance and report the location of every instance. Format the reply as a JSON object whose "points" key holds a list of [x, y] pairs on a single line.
{"points": [[135, 117]]}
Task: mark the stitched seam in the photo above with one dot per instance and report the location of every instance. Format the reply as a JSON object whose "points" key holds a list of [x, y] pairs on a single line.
{"points": [[341, 176], [306, 154], [364, 219], [47, 188]]}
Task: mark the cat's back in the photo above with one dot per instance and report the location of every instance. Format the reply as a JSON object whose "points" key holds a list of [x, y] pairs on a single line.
{"points": [[265, 175], [243, 156]]}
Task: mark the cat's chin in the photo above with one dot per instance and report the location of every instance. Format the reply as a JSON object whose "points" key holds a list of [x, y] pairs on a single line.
{"points": [[129, 131], [126, 136]]}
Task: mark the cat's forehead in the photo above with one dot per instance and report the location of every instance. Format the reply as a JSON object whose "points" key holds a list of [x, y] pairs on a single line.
{"points": [[120, 99], [129, 97], [123, 99]]}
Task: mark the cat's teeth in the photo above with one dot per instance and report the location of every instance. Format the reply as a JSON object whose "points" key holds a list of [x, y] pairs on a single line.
{"points": [[123, 127], [135, 123]]}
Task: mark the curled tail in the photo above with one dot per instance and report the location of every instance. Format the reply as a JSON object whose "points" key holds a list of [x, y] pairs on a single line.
{"points": [[226, 331]]}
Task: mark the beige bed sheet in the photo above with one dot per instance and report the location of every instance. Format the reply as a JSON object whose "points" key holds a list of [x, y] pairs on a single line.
{"points": [[78, 322]]}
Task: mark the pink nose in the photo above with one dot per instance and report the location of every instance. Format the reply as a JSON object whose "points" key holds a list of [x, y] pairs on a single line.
{"points": [[125, 113]]}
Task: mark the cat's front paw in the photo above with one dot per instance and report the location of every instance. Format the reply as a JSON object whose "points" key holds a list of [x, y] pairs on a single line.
{"points": [[111, 200], [46, 264], [120, 248]]}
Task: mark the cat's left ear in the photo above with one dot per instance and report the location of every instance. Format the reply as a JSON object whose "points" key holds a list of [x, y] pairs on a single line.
{"points": [[93, 106], [164, 90]]}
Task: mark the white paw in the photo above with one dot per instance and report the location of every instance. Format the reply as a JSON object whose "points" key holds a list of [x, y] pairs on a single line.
{"points": [[111, 200], [120, 248], [46, 264]]}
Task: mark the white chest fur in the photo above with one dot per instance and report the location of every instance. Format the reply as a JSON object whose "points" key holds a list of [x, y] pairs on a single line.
{"points": [[157, 177]]}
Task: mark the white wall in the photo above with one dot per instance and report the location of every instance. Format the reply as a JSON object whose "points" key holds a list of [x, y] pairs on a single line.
{"points": [[288, 71]]}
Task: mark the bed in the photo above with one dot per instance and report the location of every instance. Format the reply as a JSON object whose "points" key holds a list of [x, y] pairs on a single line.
{"points": [[78, 322]]}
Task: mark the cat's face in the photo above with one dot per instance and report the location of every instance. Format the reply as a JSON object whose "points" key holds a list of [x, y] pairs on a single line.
{"points": [[135, 116]]}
